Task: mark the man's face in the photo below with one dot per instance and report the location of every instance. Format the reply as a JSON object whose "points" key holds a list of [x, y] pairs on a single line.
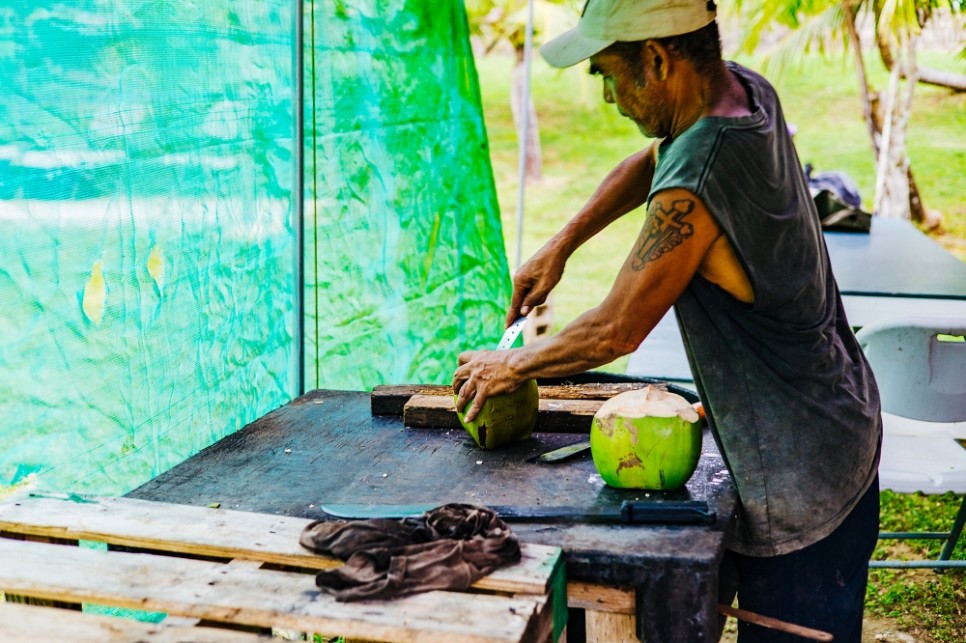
{"points": [[633, 89]]}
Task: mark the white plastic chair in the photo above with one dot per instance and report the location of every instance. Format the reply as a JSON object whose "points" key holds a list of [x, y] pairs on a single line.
{"points": [[920, 367]]}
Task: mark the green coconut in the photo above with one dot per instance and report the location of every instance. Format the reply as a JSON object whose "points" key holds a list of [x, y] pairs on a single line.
{"points": [[504, 418], [646, 439]]}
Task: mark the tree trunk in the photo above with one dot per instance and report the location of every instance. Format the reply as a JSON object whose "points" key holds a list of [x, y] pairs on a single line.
{"points": [[534, 159], [947, 79], [892, 193], [869, 97], [871, 112]]}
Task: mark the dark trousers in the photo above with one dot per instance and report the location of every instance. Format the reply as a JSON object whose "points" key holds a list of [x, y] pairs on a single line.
{"points": [[821, 586]]}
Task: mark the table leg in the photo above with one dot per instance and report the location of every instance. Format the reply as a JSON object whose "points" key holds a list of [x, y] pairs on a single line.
{"points": [[608, 627], [678, 605]]}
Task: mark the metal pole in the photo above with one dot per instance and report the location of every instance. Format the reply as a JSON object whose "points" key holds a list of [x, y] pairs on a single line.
{"points": [[524, 131], [298, 197]]}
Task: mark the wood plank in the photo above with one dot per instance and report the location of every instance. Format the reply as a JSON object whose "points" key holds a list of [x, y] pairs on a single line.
{"points": [[391, 399], [605, 627], [430, 411], [30, 600], [555, 416], [258, 597], [219, 533], [600, 598], [51, 625]]}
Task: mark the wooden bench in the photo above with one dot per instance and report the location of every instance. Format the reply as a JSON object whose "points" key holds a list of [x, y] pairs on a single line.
{"points": [[216, 566]]}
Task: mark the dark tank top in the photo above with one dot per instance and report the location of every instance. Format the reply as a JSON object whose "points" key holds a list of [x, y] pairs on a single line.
{"points": [[789, 395]]}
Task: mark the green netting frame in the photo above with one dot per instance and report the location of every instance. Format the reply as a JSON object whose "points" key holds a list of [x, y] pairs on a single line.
{"points": [[146, 232], [406, 264], [148, 235]]}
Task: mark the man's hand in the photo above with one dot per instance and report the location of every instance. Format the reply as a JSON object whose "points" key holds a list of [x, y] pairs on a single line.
{"points": [[481, 375], [534, 281]]}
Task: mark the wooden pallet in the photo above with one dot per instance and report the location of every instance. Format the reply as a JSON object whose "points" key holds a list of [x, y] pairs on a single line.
{"points": [[238, 568], [40, 624]]}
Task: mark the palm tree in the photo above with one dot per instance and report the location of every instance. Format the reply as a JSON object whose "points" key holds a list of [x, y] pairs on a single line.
{"points": [[898, 24], [498, 22]]}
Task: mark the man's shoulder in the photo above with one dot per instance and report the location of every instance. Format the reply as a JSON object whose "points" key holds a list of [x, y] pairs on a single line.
{"points": [[684, 161], [744, 72], [759, 84]]}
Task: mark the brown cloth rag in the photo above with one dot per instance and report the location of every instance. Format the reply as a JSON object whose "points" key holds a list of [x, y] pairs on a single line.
{"points": [[449, 548]]}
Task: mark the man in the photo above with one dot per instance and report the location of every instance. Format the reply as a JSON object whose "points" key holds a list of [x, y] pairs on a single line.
{"points": [[731, 240]]}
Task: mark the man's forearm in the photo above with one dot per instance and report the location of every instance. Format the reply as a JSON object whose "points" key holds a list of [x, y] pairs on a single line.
{"points": [[622, 190], [625, 188], [584, 344]]}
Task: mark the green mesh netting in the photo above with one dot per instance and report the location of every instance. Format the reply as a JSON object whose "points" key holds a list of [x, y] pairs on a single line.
{"points": [[145, 232], [147, 226], [407, 263]]}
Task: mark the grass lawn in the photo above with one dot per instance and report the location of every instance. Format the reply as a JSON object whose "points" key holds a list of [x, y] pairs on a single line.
{"points": [[583, 138]]}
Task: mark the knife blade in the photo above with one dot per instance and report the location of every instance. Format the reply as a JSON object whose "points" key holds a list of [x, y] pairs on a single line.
{"points": [[511, 333], [562, 453], [630, 512]]}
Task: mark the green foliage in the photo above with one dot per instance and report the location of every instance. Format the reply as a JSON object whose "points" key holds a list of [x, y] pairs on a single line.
{"points": [[924, 603], [804, 25], [890, 15], [497, 21], [759, 18]]}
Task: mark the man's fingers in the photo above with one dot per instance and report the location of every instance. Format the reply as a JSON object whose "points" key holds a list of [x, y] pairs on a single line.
{"points": [[459, 379], [525, 305], [531, 301], [466, 393], [462, 398], [515, 302], [459, 376], [523, 286], [472, 410]]}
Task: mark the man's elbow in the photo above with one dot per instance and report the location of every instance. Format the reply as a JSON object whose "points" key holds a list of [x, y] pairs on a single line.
{"points": [[624, 346], [620, 341]]}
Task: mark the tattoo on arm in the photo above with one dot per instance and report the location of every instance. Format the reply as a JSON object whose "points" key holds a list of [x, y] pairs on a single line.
{"points": [[664, 230]]}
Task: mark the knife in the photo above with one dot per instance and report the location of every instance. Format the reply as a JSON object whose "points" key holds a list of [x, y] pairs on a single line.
{"points": [[511, 333], [562, 453], [630, 512]]}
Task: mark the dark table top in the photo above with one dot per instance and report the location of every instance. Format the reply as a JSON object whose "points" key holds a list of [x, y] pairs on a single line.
{"points": [[894, 259], [326, 447]]}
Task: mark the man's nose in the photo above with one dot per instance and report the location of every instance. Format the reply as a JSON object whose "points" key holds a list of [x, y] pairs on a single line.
{"points": [[608, 94]]}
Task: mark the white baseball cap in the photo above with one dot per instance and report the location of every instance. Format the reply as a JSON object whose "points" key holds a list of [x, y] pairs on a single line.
{"points": [[605, 22]]}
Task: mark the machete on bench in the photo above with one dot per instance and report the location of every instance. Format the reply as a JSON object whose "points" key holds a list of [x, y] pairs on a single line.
{"points": [[641, 512]]}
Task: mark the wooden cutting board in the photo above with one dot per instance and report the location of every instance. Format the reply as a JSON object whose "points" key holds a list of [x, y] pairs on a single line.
{"points": [[567, 408]]}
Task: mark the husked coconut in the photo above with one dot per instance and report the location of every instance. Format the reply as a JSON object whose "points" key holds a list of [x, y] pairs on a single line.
{"points": [[504, 418], [646, 439]]}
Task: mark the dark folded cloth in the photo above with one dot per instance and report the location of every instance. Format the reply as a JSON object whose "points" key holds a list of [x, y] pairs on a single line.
{"points": [[448, 548]]}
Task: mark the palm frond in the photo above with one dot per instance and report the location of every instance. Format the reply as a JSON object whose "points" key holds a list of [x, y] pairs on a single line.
{"points": [[770, 15], [550, 19], [814, 32], [900, 16]]}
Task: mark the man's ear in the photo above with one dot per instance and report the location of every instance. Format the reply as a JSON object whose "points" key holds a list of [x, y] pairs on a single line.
{"points": [[656, 59]]}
